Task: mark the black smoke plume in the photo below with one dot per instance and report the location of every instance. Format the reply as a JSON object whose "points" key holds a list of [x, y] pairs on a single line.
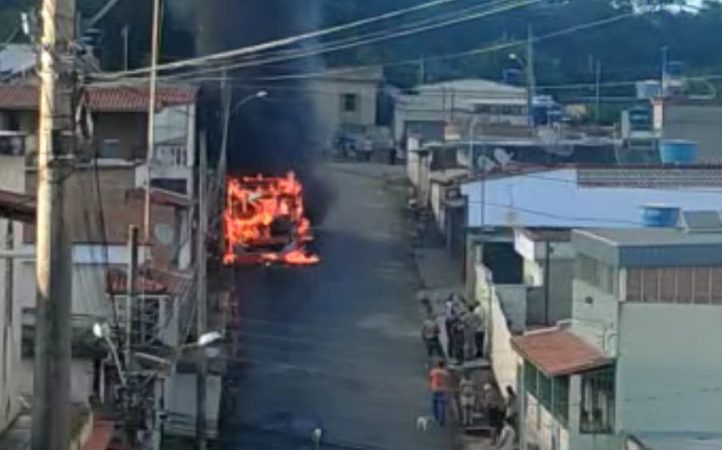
{"points": [[280, 132]]}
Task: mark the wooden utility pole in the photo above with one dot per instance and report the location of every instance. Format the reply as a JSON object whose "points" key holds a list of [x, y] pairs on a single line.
{"points": [[51, 387], [201, 314], [153, 89]]}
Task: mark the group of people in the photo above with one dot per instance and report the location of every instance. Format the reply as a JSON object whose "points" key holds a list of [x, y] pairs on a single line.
{"points": [[501, 414], [465, 330]]}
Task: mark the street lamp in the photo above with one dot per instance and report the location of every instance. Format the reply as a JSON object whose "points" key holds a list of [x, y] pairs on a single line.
{"points": [[254, 96], [515, 57], [102, 331]]}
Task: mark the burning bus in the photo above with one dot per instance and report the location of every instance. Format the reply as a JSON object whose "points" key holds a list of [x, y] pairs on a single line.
{"points": [[265, 222]]}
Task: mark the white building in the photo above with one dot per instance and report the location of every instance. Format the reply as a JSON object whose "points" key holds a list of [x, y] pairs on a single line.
{"points": [[640, 356], [428, 108]]}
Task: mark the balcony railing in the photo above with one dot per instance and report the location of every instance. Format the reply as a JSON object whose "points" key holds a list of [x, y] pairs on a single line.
{"points": [[171, 155]]}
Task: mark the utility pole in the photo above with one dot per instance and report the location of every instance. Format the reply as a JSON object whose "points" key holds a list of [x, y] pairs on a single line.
{"points": [[125, 32], [202, 306], [530, 75], [51, 387], [597, 95], [155, 48], [227, 100], [130, 303], [665, 64], [422, 71]]}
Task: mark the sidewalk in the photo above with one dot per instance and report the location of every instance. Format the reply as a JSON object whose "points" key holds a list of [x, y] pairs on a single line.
{"points": [[440, 277]]}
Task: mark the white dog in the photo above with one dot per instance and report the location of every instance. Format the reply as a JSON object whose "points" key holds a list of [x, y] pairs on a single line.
{"points": [[422, 423]]}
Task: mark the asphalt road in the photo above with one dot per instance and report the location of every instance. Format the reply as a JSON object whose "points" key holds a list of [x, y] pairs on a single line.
{"points": [[334, 346]]}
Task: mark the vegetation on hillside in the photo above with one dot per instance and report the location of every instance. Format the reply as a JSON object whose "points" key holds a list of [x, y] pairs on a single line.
{"points": [[627, 49]]}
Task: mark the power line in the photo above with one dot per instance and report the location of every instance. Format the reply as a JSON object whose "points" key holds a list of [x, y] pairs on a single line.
{"points": [[280, 42], [447, 56], [503, 6], [500, 7]]}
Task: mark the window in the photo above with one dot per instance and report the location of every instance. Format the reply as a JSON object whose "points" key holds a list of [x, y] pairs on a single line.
{"points": [[349, 102], [598, 403], [530, 373], [551, 392], [560, 393], [110, 149]]}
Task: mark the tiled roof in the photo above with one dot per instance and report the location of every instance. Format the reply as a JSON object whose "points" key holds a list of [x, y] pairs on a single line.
{"points": [[558, 351], [151, 282], [101, 98]]}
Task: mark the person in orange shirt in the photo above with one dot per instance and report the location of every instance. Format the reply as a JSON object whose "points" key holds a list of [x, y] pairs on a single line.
{"points": [[438, 383]]}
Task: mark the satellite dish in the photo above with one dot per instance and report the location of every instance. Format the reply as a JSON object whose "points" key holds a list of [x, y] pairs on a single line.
{"points": [[164, 233], [502, 157]]}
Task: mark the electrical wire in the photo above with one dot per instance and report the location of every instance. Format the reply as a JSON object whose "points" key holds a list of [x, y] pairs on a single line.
{"points": [[280, 42], [507, 5], [448, 56]]}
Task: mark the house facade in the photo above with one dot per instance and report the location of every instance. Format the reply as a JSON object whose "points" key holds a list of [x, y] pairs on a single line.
{"points": [[640, 353], [109, 176], [696, 120], [347, 107], [427, 109]]}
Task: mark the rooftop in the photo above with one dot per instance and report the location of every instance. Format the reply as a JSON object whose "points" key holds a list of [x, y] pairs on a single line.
{"points": [[547, 234], [679, 440], [650, 247], [557, 351], [118, 98], [471, 86], [537, 196]]}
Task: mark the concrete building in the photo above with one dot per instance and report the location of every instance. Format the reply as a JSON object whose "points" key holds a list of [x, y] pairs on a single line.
{"points": [[347, 106], [427, 109], [640, 355], [12, 169], [691, 119], [109, 177]]}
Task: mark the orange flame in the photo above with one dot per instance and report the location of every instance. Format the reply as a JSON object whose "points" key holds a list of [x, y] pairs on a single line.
{"points": [[255, 206]]}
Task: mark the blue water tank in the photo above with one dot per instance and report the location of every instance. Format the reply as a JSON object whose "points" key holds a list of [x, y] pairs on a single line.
{"points": [[677, 151], [660, 216]]}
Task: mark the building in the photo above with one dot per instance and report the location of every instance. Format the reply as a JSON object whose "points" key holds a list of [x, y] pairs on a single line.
{"points": [[109, 176], [640, 355], [12, 168], [691, 119], [116, 129], [347, 106], [583, 197], [425, 111]]}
